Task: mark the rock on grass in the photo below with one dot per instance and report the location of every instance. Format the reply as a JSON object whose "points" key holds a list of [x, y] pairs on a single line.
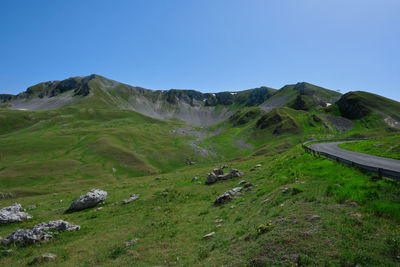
{"points": [[13, 213], [89, 200], [227, 196], [43, 258], [39, 233]]}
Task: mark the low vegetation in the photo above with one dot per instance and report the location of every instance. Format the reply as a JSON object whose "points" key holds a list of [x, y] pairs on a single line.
{"points": [[287, 208], [388, 147]]}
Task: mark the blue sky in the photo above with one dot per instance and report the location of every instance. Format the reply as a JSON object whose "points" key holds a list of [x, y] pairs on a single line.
{"points": [[207, 45]]}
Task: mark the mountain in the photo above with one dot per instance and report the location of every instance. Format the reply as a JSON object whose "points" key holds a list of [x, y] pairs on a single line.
{"points": [[91, 132], [360, 105], [301, 96], [95, 91]]}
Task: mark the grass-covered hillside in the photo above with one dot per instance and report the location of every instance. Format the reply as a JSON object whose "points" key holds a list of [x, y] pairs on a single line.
{"points": [[293, 209], [300, 210], [388, 147]]}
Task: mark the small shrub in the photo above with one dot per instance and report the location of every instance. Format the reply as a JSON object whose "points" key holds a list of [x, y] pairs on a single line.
{"points": [[393, 242], [304, 260], [203, 253], [116, 252], [264, 228]]}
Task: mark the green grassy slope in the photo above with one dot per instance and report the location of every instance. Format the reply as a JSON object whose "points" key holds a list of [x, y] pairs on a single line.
{"points": [[312, 221], [298, 211], [83, 144], [356, 105], [388, 147]]}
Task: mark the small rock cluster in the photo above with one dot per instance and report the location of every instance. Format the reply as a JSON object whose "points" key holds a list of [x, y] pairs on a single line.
{"points": [[40, 232], [13, 213], [43, 258], [255, 167], [89, 200], [227, 195], [247, 185], [130, 199], [218, 174]]}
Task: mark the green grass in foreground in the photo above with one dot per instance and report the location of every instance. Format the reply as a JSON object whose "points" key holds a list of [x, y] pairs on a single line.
{"points": [[171, 216], [388, 147]]}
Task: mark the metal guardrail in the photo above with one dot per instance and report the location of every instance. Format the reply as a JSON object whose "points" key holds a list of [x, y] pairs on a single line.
{"points": [[381, 172]]}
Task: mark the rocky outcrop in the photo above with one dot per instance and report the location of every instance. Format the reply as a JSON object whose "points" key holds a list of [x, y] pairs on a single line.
{"points": [[89, 200], [211, 178], [218, 171], [218, 174], [227, 196], [13, 213], [39, 233], [233, 173]]}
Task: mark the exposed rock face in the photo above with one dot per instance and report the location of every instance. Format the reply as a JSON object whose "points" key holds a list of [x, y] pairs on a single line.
{"points": [[89, 200], [352, 106], [39, 233], [233, 173], [12, 214], [5, 97], [213, 177], [130, 199], [227, 196], [58, 225]]}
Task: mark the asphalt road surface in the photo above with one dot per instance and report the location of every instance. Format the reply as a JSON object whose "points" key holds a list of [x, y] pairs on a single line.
{"points": [[361, 158]]}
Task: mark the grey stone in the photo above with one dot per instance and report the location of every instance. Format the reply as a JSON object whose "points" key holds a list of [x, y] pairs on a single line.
{"points": [[247, 185], [211, 178], [89, 200], [209, 235], [12, 214], [43, 258], [218, 171], [58, 225], [130, 199], [31, 207], [195, 179], [242, 182], [232, 174], [227, 196], [221, 199], [39, 233], [130, 242]]}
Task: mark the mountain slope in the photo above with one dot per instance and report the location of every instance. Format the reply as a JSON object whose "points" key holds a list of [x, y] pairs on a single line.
{"points": [[301, 96], [359, 105]]}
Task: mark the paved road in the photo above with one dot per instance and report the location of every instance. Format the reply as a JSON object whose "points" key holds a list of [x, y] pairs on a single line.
{"points": [[361, 158]]}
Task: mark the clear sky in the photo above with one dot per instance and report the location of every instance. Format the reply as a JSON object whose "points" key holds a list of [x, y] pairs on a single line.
{"points": [[207, 45]]}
